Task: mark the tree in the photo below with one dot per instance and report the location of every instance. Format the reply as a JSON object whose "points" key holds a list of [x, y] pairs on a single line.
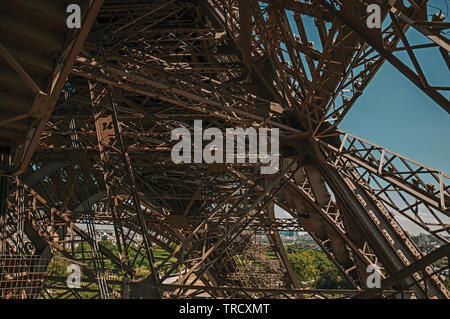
{"points": [[314, 269]]}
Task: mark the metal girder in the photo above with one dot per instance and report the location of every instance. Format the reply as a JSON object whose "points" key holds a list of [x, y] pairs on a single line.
{"points": [[404, 185], [113, 153], [414, 76], [45, 97], [148, 67], [393, 245], [421, 264]]}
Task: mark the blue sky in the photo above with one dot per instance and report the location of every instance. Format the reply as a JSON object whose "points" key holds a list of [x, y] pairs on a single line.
{"points": [[395, 114]]}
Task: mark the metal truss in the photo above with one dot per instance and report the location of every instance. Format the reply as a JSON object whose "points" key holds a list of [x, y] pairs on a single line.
{"points": [[31, 84], [99, 155]]}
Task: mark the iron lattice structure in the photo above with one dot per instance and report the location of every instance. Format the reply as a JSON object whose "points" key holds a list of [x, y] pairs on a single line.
{"points": [[85, 139]]}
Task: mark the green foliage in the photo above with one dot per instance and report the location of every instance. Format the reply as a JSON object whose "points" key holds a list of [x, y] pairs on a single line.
{"points": [[314, 269], [302, 261], [58, 267]]}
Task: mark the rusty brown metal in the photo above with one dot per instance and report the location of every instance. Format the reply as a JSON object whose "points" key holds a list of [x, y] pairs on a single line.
{"points": [[136, 71]]}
